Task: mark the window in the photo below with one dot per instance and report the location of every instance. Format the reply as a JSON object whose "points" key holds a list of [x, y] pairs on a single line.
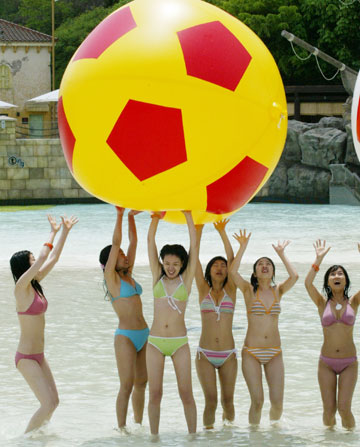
{"points": [[5, 76]]}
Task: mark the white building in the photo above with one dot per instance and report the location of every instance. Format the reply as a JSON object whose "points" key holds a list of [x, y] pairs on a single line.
{"points": [[25, 72]]}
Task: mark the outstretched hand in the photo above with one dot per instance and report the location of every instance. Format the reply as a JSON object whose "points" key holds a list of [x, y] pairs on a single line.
{"points": [[280, 247], [134, 212], [242, 238], [69, 222], [221, 224], [320, 248], [157, 214], [120, 210], [55, 227]]}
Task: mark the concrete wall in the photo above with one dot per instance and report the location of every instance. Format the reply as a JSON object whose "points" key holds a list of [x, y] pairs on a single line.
{"points": [[34, 170]]}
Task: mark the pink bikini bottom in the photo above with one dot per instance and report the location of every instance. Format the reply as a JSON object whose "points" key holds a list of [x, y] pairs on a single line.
{"points": [[338, 365], [37, 357]]}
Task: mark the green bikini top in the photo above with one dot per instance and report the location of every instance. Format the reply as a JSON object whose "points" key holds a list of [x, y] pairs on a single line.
{"points": [[180, 293]]}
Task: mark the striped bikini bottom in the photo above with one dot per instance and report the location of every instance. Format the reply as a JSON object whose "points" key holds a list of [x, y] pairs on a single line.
{"points": [[216, 358], [263, 355]]}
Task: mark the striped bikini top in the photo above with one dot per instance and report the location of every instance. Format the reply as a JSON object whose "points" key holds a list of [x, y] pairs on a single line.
{"points": [[258, 307], [180, 293], [226, 305]]}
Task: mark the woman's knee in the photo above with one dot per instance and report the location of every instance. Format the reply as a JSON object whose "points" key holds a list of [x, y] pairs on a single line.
{"points": [[51, 403], [211, 402], [155, 396], [329, 412], [186, 395], [257, 402], [344, 409], [140, 385], [126, 388], [227, 401]]}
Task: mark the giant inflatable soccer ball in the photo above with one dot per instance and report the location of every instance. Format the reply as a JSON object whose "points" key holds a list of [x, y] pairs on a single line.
{"points": [[355, 116], [172, 105]]}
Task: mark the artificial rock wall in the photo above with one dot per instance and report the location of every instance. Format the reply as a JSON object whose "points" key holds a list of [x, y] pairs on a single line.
{"points": [[35, 171]]}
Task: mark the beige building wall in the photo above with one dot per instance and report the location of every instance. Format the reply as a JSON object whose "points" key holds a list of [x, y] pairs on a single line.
{"points": [[30, 71], [24, 74]]}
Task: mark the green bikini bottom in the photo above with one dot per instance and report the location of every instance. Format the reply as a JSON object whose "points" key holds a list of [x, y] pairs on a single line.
{"points": [[167, 345]]}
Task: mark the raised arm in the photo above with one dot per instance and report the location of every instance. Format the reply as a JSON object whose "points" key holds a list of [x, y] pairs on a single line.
{"points": [[116, 243], [321, 251], [67, 224], [239, 281], [25, 279], [293, 276], [155, 266], [193, 251], [220, 227], [201, 284], [356, 297], [131, 254]]}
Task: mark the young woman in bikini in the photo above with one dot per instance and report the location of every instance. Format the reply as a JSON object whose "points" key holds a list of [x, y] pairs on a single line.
{"points": [[132, 332], [262, 341], [216, 351], [172, 280], [31, 306], [338, 366]]}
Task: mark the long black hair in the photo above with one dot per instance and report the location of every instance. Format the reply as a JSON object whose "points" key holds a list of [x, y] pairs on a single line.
{"points": [[19, 264], [207, 275], [254, 281], [326, 287], [176, 250], [104, 256]]}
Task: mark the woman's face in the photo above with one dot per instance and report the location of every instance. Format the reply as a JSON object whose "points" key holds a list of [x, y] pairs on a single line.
{"points": [[31, 259], [337, 280], [172, 265], [218, 271], [122, 261], [264, 269]]}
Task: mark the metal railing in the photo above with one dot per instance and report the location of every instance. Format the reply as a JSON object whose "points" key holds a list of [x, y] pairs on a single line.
{"points": [[49, 129]]}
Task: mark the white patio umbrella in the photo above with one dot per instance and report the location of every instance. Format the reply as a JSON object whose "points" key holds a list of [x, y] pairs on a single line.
{"points": [[46, 97], [6, 105]]}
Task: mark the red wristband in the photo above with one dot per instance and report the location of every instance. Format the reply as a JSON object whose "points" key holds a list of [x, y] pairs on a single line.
{"points": [[315, 267], [47, 244]]}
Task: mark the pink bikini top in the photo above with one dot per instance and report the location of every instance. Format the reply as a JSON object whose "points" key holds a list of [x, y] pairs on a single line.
{"points": [[37, 307], [328, 318]]}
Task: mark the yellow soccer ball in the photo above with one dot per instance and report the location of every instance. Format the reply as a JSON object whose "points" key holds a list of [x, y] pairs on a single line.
{"points": [[172, 105]]}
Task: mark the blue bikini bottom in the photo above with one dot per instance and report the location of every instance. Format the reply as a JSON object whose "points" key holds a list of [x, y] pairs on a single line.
{"points": [[137, 336]]}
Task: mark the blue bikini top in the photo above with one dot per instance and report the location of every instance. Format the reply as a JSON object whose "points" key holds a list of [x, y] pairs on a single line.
{"points": [[127, 290]]}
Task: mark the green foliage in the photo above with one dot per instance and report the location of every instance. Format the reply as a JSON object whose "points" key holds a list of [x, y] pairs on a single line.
{"points": [[36, 14], [9, 10], [327, 24], [333, 28], [71, 34]]}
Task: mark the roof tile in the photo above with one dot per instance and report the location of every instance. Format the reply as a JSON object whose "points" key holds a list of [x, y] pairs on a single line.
{"points": [[12, 32]]}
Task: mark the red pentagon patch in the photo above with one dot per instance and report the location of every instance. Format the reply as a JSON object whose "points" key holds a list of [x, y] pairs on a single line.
{"points": [[232, 191], [214, 54], [66, 136], [358, 122], [148, 139], [106, 33]]}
